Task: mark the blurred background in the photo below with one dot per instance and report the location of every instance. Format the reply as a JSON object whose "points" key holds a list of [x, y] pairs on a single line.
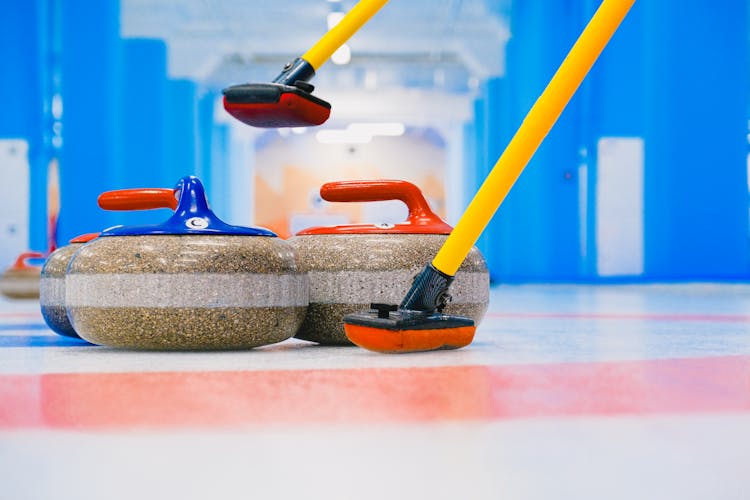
{"points": [[645, 176]]}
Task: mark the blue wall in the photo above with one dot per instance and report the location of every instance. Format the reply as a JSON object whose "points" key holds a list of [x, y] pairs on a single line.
{"points": [[675, 75], [27, 55], [91, 63], [126, 124], [181, 154], [696, 138]]}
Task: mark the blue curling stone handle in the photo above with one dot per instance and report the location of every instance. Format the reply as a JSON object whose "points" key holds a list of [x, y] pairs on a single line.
{"points": [[192, 216]]}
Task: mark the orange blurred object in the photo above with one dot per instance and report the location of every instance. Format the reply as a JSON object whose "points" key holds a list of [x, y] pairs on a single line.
{"points": [[21, 280]]}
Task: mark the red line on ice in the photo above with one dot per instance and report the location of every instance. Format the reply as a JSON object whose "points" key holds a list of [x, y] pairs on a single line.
{"points": [[165, 400], [718, 318]]}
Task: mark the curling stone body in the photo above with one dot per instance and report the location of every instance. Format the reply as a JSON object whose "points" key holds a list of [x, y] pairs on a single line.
{"points": [[186, 292], [52, 283], [21, 280], [52, 290], [348, 272], [193, 283], [352, 266], [20, 283]]}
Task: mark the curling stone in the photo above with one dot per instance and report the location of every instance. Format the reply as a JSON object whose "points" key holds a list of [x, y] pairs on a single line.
{"points": [[21, 280], [52, 286], [190, 283], [352, 266], [52, 283]]}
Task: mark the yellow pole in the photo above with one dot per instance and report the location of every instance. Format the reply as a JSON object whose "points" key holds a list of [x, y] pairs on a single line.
{"points": [[339, 34], [530, 135]]}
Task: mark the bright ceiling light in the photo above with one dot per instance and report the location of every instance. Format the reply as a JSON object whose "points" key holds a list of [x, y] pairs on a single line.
{"points": [[333, 18], [389, 129], [299, 130], [342, 136], [359, 133], [342, 56], [57, 106], [371, 80]]}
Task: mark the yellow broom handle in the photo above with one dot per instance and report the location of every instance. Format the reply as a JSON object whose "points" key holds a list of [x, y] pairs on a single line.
{"points": [[530, 135], [339, 34]]}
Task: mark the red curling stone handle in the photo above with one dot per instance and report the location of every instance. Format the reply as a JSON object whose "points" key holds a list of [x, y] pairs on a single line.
{"points": [[138, 199], [383, 190], [21, 261]]}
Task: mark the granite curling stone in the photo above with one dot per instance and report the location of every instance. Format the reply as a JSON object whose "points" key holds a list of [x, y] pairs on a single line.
{"points": [[352, 266], [191, 283], [52, 283], [21, 280], [52, 286]]}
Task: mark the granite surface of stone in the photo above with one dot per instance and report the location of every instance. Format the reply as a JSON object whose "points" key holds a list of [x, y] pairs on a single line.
{"points": [[178, 254], [186, 292], [56, 264], [52, 290], [143, 328], [374, 252], [57, 319], [348, 272]]}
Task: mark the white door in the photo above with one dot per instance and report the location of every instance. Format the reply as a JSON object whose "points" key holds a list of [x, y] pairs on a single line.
{"points": [[14, 199]]}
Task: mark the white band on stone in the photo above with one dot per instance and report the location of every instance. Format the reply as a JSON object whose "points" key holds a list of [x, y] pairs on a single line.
{"points": [[52, 291], [201, 290], [364, 287]]}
